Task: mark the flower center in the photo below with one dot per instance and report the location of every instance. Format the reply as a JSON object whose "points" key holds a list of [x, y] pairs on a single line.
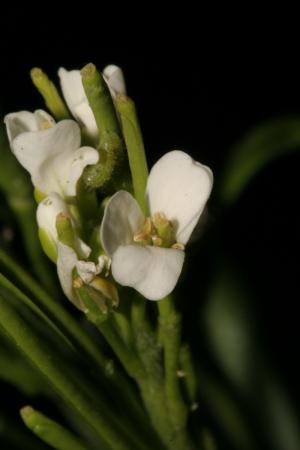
{"points": [[158, 231]]}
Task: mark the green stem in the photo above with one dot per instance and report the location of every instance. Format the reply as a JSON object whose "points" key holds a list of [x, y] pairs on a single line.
{"points": [[50, 431], [50, 94], [49, 363], [135, 148], [170, 334], [152, 386]]}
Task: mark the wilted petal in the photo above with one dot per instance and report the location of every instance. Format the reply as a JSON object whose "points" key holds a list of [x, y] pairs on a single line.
{"points": [[73, 91], [87, 270], [114, 78], [179, 187], [122, 219], [152, 271]]}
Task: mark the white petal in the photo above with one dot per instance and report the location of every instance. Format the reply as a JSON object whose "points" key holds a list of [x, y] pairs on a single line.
{"points": [[19, 122], [179, 187], [73, 91], [152, 271], [53, 157], [47, 212], [81, 158], [122, 219], [114, 77], [66, 261]]}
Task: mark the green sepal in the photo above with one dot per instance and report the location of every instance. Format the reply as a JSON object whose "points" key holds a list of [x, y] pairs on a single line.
{"points": [[39, 196], [65, 231], [48, 245]]}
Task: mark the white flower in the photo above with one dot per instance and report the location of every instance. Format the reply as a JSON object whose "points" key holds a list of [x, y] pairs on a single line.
{"points": [[148, 254], [50, 152], [87, 270], [76, 99], [46, 214], [67, 258]]}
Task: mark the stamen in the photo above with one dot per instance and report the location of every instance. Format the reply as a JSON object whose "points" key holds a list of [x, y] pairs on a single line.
{"points": [[178, 246], [77, 283], [46, 125]]}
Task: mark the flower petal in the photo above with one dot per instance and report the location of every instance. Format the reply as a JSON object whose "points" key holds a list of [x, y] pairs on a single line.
{"points": [[179, 187], [22, 121], [73, 91], [114, 78], [81, 158], [122, 219], [152, 271], [53, 157], [47, 212], [66, 261]]}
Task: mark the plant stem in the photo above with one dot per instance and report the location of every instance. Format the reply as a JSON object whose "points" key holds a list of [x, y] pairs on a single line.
{"points": [[170, 335], [151, 386]]}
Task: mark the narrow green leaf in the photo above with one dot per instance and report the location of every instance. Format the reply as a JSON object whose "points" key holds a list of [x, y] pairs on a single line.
{"points": [[50, 431], [69, 384], [254, 151]]}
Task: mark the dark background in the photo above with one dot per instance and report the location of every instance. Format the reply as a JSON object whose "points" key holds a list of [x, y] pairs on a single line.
{"points": [[198, 88]]}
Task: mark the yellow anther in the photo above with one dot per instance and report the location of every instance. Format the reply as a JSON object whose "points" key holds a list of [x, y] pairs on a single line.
{"points": [[46, 125], [77, 283], [147, 226], [178, 246], [107, 289], [160, 219]]}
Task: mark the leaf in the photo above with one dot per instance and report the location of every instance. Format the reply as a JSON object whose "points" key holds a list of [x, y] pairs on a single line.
{"points": [[230, 327], [260, 146]]}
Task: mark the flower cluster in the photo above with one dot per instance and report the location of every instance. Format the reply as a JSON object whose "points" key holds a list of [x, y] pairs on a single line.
{"points": [[129, 247]]}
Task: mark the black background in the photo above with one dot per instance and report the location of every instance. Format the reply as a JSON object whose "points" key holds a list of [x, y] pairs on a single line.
{"points": [[199, 84]]}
